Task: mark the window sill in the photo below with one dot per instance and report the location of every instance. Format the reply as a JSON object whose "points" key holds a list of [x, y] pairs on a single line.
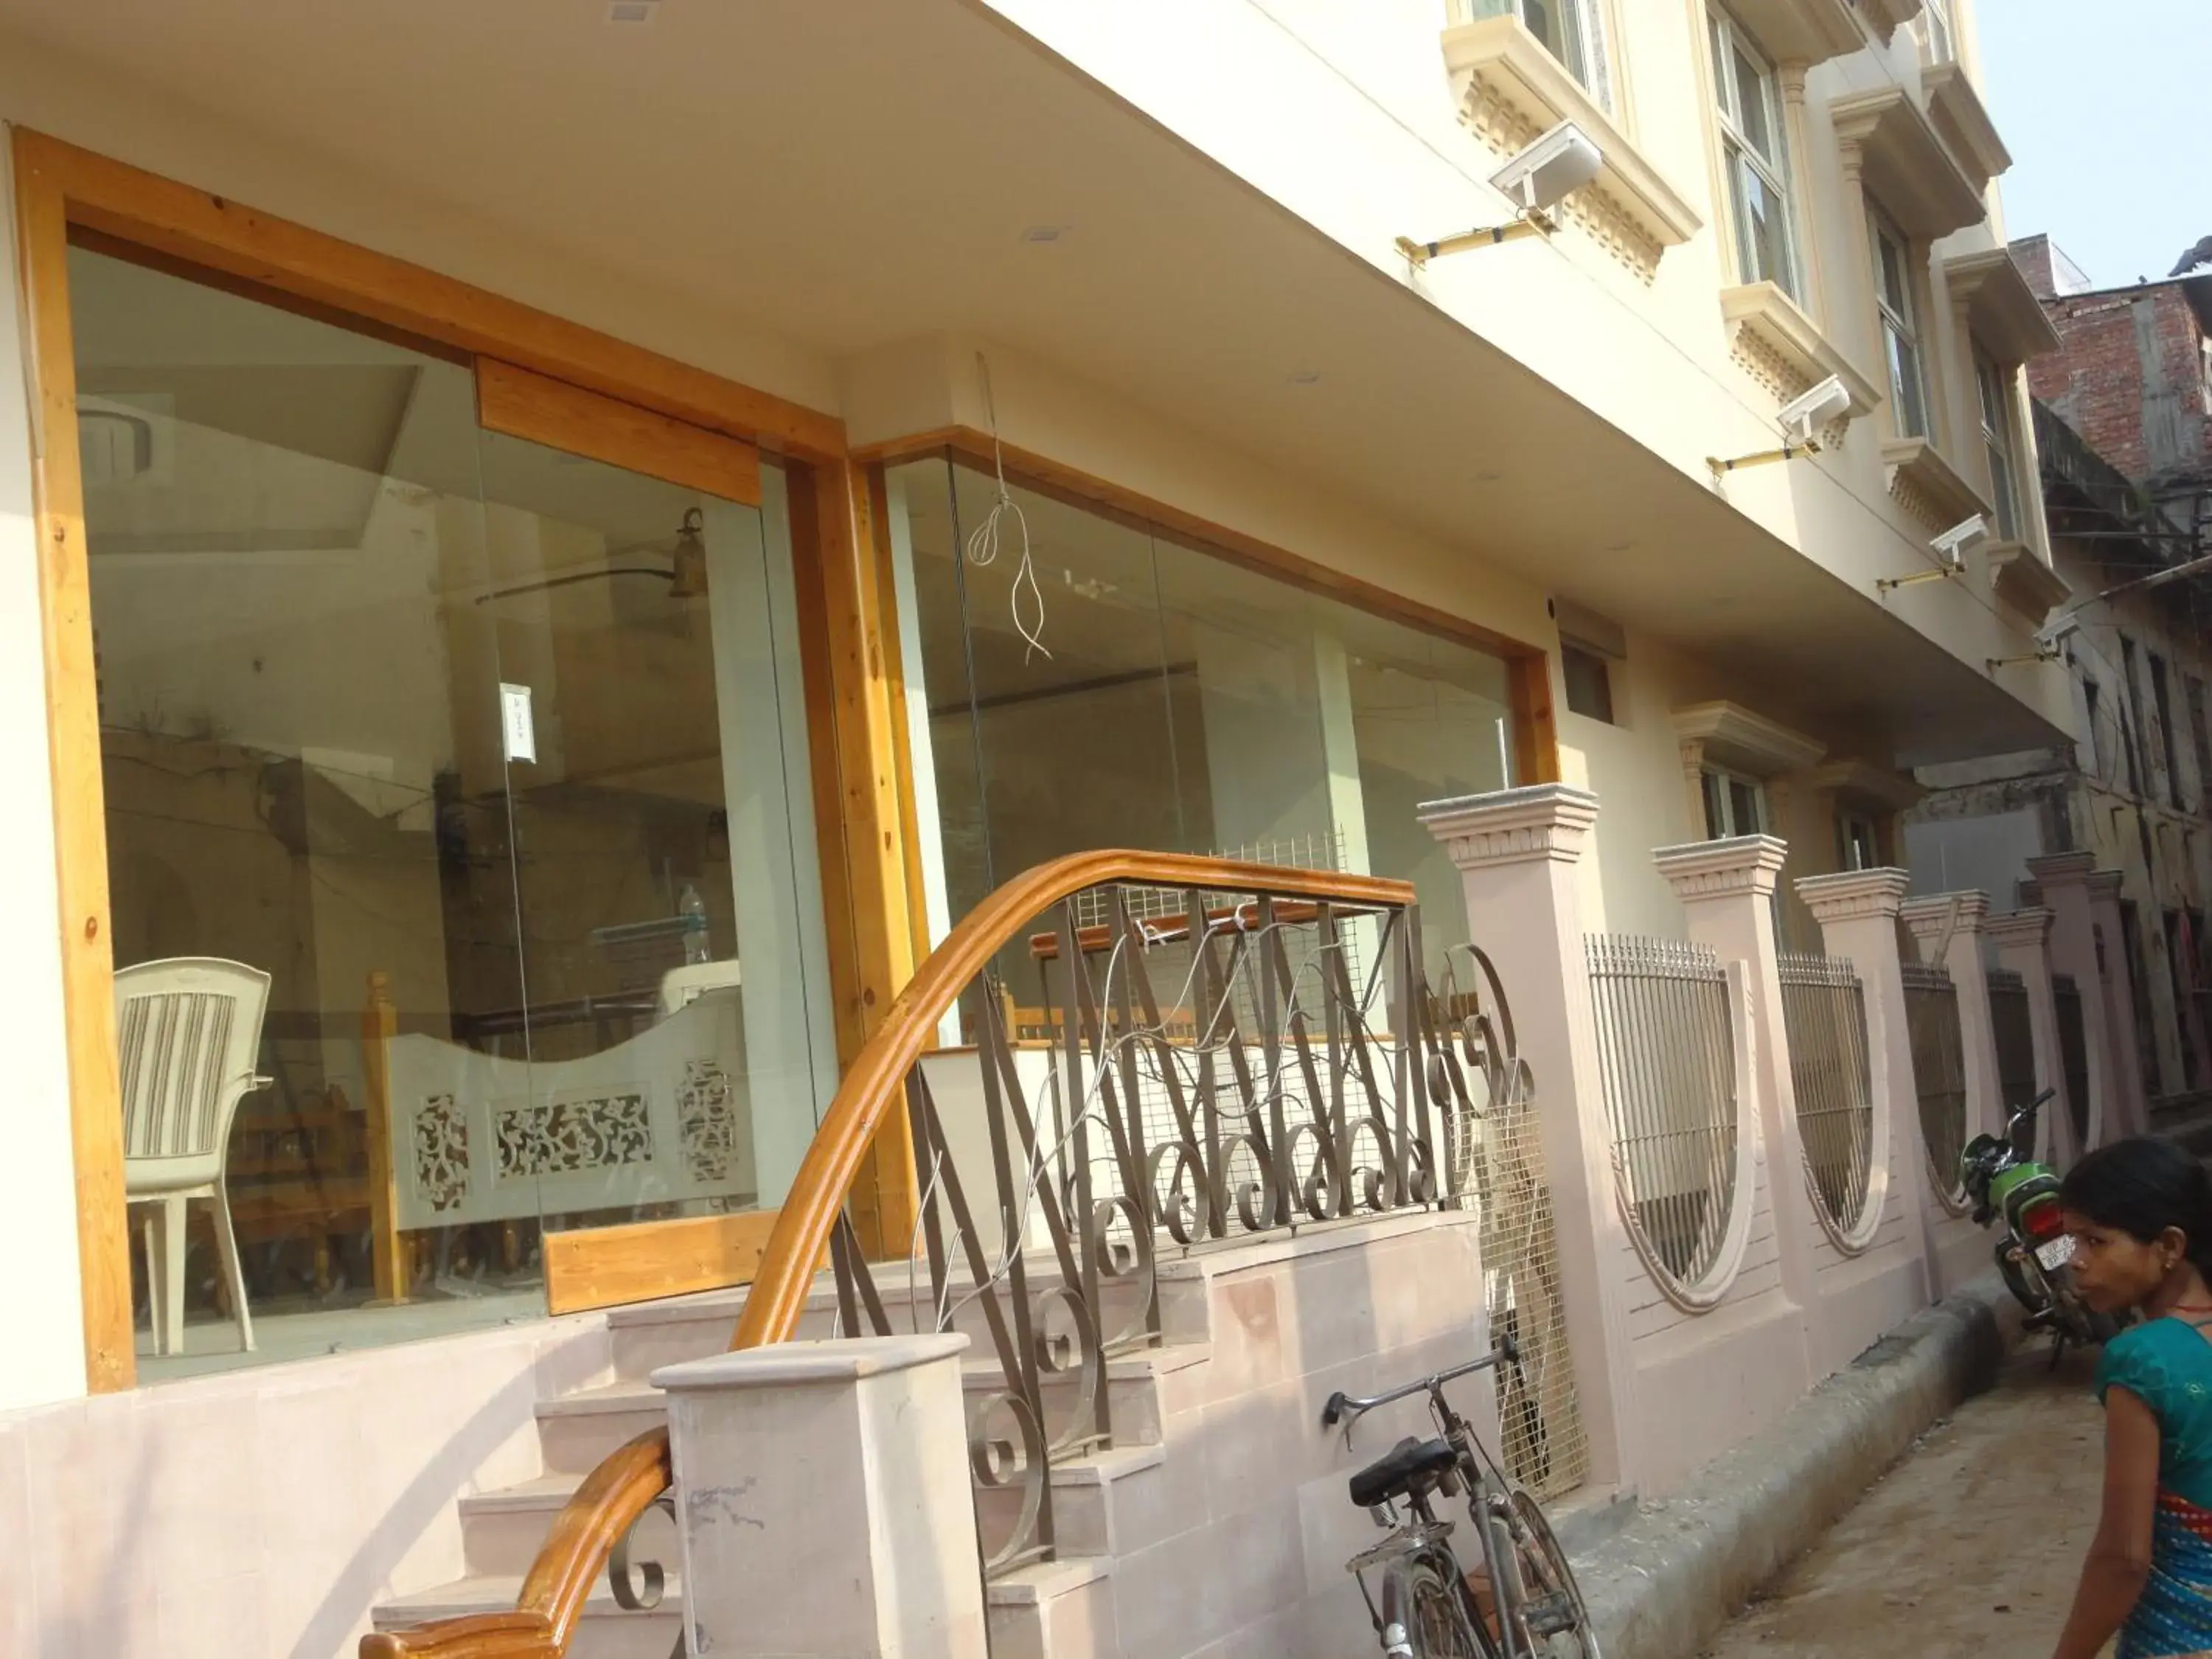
{"points": [[2024, 582], [1801, 31], [1779, 346], [1929, 487], [1893, 147], [1511, 91], [1963, 122]]}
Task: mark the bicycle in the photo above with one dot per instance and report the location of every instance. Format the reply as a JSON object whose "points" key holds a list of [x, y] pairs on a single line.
{"points": [[1428, 1608]]}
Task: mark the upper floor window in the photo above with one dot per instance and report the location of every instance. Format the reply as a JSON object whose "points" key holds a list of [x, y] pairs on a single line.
{"points": [[1735, 804], [1858, 842], [1757, 158], [1939, 40], [1900, 328], [1996, 392], [1572, 30]]}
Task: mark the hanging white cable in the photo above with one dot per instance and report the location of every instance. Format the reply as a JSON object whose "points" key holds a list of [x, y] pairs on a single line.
{"points": [[983, 544]]}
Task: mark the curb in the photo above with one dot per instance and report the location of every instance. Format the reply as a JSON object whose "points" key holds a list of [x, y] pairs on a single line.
{"points": [[1662, 1581]]}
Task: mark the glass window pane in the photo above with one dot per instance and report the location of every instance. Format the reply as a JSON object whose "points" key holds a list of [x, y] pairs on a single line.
{"points": [[1762, 221], [1752, 117], [1904, 385], [1722, 91], [1716, 806]]}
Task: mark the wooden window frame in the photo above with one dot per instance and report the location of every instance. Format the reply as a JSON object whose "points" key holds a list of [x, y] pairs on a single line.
{"points": [[63, 193]]}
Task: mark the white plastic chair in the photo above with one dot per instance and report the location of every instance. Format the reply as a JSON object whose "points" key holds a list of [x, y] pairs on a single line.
{"points": [[187, 1032]]}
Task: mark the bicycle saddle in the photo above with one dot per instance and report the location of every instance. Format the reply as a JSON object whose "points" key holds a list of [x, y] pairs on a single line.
{"points": [[1405, 1465]]}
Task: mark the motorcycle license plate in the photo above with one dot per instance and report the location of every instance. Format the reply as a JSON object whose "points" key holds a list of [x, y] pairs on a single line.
{"points": [[2056, 1254]]}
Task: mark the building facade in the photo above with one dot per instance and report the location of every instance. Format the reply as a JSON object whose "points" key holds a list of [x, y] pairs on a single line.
{"points": [[556, 553]]}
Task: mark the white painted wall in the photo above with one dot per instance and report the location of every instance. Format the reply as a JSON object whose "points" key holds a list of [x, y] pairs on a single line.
{"points": [[42, 1358]]}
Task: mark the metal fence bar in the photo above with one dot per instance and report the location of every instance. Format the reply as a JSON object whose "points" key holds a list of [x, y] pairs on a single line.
{"points": [[2073, 1053], [1939, 1072], [2015, 1037], [1831, 1071], [1667, 1061]]}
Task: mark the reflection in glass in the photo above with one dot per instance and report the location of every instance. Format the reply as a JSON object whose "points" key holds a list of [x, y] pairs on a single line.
{"points": [[491, 760]]}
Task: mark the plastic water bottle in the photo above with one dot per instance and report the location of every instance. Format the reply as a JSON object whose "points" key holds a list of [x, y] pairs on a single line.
{"points": [[693, 909]]}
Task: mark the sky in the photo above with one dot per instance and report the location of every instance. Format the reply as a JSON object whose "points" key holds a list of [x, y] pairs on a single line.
{"points": [[2102, 103]]}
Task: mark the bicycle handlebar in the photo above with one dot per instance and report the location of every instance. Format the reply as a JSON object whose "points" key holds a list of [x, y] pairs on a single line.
{"points": [[1341, 1405]]}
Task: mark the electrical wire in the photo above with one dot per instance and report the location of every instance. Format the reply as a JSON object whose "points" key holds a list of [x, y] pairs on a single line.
{"points": [[983, 544]]}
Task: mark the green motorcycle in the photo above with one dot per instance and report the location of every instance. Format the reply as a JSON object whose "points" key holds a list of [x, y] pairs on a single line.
{"points": [[2000, 1175]]}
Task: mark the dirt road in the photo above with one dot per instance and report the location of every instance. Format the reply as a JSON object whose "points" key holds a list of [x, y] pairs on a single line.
{"points": [[1970, 1547]]}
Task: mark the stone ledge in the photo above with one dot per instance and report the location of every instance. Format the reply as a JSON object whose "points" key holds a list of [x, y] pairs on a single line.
{"points": [[1660, 1585], [783, 1364]]}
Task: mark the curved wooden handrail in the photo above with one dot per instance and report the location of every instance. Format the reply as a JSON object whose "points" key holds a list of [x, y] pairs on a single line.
{"points": [[624, 1485]]}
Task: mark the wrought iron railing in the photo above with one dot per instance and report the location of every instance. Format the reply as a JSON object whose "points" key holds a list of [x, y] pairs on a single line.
{"points": [[1667, 1061], [1291, 1092], [2073, 1053], [1939, 1074], [2011, 1024], [1823, 1016]]}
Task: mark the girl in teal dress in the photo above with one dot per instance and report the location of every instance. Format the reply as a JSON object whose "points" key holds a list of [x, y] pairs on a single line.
{"points": [[2140, 1213]]}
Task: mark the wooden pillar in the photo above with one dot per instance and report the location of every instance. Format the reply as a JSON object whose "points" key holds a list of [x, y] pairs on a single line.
{"points": [[387, 1250]]}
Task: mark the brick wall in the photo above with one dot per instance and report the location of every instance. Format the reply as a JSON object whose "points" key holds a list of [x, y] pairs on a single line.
{"points": [[2130, 376]]}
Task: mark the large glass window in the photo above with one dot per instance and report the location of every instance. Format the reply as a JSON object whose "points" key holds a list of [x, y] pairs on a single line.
{"points": [[1900, 329], [1187, 704], [1939, 40], [1756, 156], [463, 874]]}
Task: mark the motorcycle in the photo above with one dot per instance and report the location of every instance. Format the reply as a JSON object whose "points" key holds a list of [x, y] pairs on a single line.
{"points": [[2000, 1175]]}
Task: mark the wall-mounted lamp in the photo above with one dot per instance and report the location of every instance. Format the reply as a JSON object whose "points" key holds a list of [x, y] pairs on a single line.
{"points": [[1799, 420], [1539, 179], [1950, 549], [687, 573]]}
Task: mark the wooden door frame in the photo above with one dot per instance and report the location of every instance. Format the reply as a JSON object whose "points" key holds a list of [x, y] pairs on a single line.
{"points": [[62, 189]]}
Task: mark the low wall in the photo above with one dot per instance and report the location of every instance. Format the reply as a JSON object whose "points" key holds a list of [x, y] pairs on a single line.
{"points": [[262, 1512]]}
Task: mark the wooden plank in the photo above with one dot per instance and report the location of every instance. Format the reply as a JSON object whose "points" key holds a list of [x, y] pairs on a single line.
{"points": [[145, 210], [895, 674], [568, 418], [80, 816], [390, 1260], [857, 610], [637, 1262], [1535, 726], [1082, 489]]}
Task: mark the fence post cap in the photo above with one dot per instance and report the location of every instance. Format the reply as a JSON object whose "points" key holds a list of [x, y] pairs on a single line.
{"points": [[781, 1365], [1538, 821], [1710, 869], [2022, 926], [2055, 869], [1928, 915], [1853, 894]]}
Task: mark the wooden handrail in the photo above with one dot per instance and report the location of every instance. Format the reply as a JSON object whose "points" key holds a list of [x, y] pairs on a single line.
{"points": [[624, 1485]]}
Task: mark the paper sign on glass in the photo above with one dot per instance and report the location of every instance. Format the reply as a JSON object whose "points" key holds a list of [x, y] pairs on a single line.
{"points": [[517, 725]]}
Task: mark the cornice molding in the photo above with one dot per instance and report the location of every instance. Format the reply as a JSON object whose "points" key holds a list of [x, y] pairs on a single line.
{"points": [[2058, 869], [2024, 582], [1933, 915], [1886, 18], [2031, 925], [1869, 785], [1802, 32], [1546, 822], [2002, 313], [1733, 735], [1929, 487], [1962, 121], [1893, 147], [1771, 335]]}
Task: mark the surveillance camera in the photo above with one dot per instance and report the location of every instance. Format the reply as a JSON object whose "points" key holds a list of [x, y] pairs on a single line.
{"points": [[1951, 546], [1803, 417], [2056, 633], [1550, 170]]}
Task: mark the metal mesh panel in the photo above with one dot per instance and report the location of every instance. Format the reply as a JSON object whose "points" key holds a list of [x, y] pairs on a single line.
{"points": [[1668, 1067], [1939, 1072], [2073, 1053], [1824, 1014], [2015, 1037]]}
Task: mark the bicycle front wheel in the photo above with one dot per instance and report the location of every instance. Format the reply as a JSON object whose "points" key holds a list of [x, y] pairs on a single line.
{"points": [[1554, 1617], [1434, 1605]]}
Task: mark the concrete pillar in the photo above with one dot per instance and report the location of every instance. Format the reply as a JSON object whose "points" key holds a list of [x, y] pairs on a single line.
{"points": [[2023, 945], [2061, 884], [1517, 851], [1953, 924], [1727, 890], [2118, 964], [805, 1463], [1857, 914]]}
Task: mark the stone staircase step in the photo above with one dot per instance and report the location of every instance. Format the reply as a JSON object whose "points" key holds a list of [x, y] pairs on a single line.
{"points": [[502, 1531], [575, 1431], [1110, 1503], [1061, 1609], [605, 1632]]}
